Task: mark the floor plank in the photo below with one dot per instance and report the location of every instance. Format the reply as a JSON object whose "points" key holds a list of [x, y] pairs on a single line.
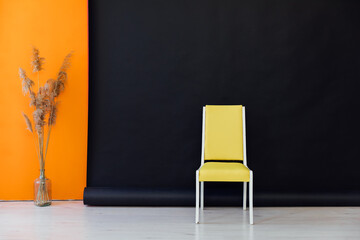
{"points": [[73, 220]]}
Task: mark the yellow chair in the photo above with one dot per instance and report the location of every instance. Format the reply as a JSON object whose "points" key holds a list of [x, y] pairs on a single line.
{"points": [[224, 139]]}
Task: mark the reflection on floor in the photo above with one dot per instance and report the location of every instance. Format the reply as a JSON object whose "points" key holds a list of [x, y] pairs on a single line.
{"points": [[73, 220]]}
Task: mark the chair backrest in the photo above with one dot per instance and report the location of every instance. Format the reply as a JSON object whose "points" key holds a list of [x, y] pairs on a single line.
{"points": [[223, 133]]}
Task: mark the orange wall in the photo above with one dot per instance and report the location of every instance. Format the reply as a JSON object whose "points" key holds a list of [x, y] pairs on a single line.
{"points": [[55, 27]]}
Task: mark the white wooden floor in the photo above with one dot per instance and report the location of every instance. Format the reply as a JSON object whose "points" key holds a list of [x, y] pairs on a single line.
{"points": [[72, 220]]}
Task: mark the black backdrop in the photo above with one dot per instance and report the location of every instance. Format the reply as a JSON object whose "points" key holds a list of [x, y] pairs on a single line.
{"points": [[154, 64]]}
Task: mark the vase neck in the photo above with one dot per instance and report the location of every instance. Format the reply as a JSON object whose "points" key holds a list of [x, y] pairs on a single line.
{"points": [[42, 173]]}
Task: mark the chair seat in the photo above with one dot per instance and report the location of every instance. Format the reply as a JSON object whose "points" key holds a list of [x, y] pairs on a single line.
{"points": [[224, 172]]}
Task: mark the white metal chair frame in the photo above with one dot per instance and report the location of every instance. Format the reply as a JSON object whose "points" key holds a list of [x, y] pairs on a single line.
{"points": [[200, 195]]}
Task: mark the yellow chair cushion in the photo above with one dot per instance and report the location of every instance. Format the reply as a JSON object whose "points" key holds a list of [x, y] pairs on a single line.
{"points": [[223, 132], [224, 172]]}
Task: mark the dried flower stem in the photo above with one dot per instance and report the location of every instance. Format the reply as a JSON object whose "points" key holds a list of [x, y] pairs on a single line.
{"points": [[51, 123], [47, 140], [37, 146]]}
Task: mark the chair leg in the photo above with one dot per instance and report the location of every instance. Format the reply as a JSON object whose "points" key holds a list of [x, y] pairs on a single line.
{"points": [[197, 198], [244, 196], [251, 198], [202, 195]]}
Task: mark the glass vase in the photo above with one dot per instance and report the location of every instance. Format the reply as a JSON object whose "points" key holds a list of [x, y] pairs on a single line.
{"points": [[42, 190]]}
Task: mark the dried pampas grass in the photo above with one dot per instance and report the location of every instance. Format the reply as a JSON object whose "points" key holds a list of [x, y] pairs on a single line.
{"points": [[66, 63], [44, 101], [28, 122], [37, 61], [39, 117], [32, 99], [59, 87], [59, 84], [27, 83], [53, 114]]}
